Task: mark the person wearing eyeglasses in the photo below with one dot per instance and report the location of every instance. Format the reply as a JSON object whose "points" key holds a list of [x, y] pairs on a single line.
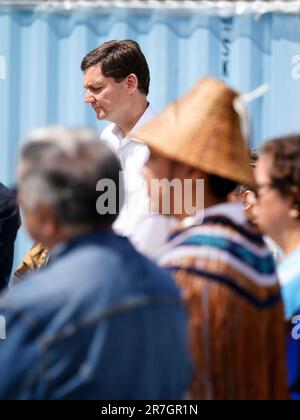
{"points": [[247, 195], [278, 214]]}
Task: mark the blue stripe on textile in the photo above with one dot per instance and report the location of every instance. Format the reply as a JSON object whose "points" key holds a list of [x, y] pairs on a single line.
{"points": [[263, 265], [255, 238], [272, 301]]}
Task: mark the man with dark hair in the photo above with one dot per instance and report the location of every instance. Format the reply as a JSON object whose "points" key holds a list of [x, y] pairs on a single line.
{"points": [[116, 79], [100, 321], [9, 225]]}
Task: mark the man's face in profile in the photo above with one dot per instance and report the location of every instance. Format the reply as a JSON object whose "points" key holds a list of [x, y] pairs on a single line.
{"points": [[108, 98]]}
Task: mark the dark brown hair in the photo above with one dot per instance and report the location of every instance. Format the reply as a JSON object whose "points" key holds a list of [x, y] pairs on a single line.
{"points": [[118, 59], [221, 187], [284, 169]]}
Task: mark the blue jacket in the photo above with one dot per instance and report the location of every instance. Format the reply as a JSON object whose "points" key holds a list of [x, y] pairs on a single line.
{"points": [[9, 225], [100, 322]]}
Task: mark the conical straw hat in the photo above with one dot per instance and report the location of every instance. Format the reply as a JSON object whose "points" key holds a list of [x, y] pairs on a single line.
{"points": [[202, 130]]}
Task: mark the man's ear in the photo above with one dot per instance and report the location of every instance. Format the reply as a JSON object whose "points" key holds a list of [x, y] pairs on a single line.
{"points": [[248, 199], [132, 83]]}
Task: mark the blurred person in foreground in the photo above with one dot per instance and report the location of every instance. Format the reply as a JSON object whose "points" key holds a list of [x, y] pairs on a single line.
{"points": [[278, 214], [100, 321], [217, 257]]}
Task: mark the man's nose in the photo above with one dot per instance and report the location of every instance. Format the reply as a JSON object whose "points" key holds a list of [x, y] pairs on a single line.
{"points": [[89, 99]]}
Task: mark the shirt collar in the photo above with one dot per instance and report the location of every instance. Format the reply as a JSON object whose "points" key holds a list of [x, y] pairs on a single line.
{"points": [[146, 117]]}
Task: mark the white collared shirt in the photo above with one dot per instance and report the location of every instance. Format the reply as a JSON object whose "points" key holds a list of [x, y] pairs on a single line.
{"points": [[148, 232]]}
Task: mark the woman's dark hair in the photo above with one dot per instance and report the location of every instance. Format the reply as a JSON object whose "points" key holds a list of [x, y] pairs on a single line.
{"points": [[284, 168]]}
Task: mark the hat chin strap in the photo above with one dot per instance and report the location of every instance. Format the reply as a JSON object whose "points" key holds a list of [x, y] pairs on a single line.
{"points": [[240, 106]]}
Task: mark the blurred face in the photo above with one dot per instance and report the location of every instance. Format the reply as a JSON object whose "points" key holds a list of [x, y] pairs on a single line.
{"points": [[33, 222], [40, 220], [271, 209], [108, 98], [156, 168], [165, 200], [41, 224]]}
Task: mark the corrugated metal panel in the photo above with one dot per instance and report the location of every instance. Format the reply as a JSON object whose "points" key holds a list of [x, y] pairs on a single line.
{"points": [[41, 82]]}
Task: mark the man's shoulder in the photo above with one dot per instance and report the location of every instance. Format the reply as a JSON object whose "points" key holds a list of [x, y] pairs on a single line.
{"points": [[105, 266]]}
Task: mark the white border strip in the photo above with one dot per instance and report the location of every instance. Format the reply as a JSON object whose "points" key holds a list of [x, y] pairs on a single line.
{"points": [[226, 8]]}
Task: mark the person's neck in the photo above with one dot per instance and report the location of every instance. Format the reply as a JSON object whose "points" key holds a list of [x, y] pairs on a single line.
{"points": [[68, 234], [289, 240], [135, 112]]}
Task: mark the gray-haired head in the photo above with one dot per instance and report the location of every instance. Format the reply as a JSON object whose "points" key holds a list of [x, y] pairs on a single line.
{"points": [[61, 167]]}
